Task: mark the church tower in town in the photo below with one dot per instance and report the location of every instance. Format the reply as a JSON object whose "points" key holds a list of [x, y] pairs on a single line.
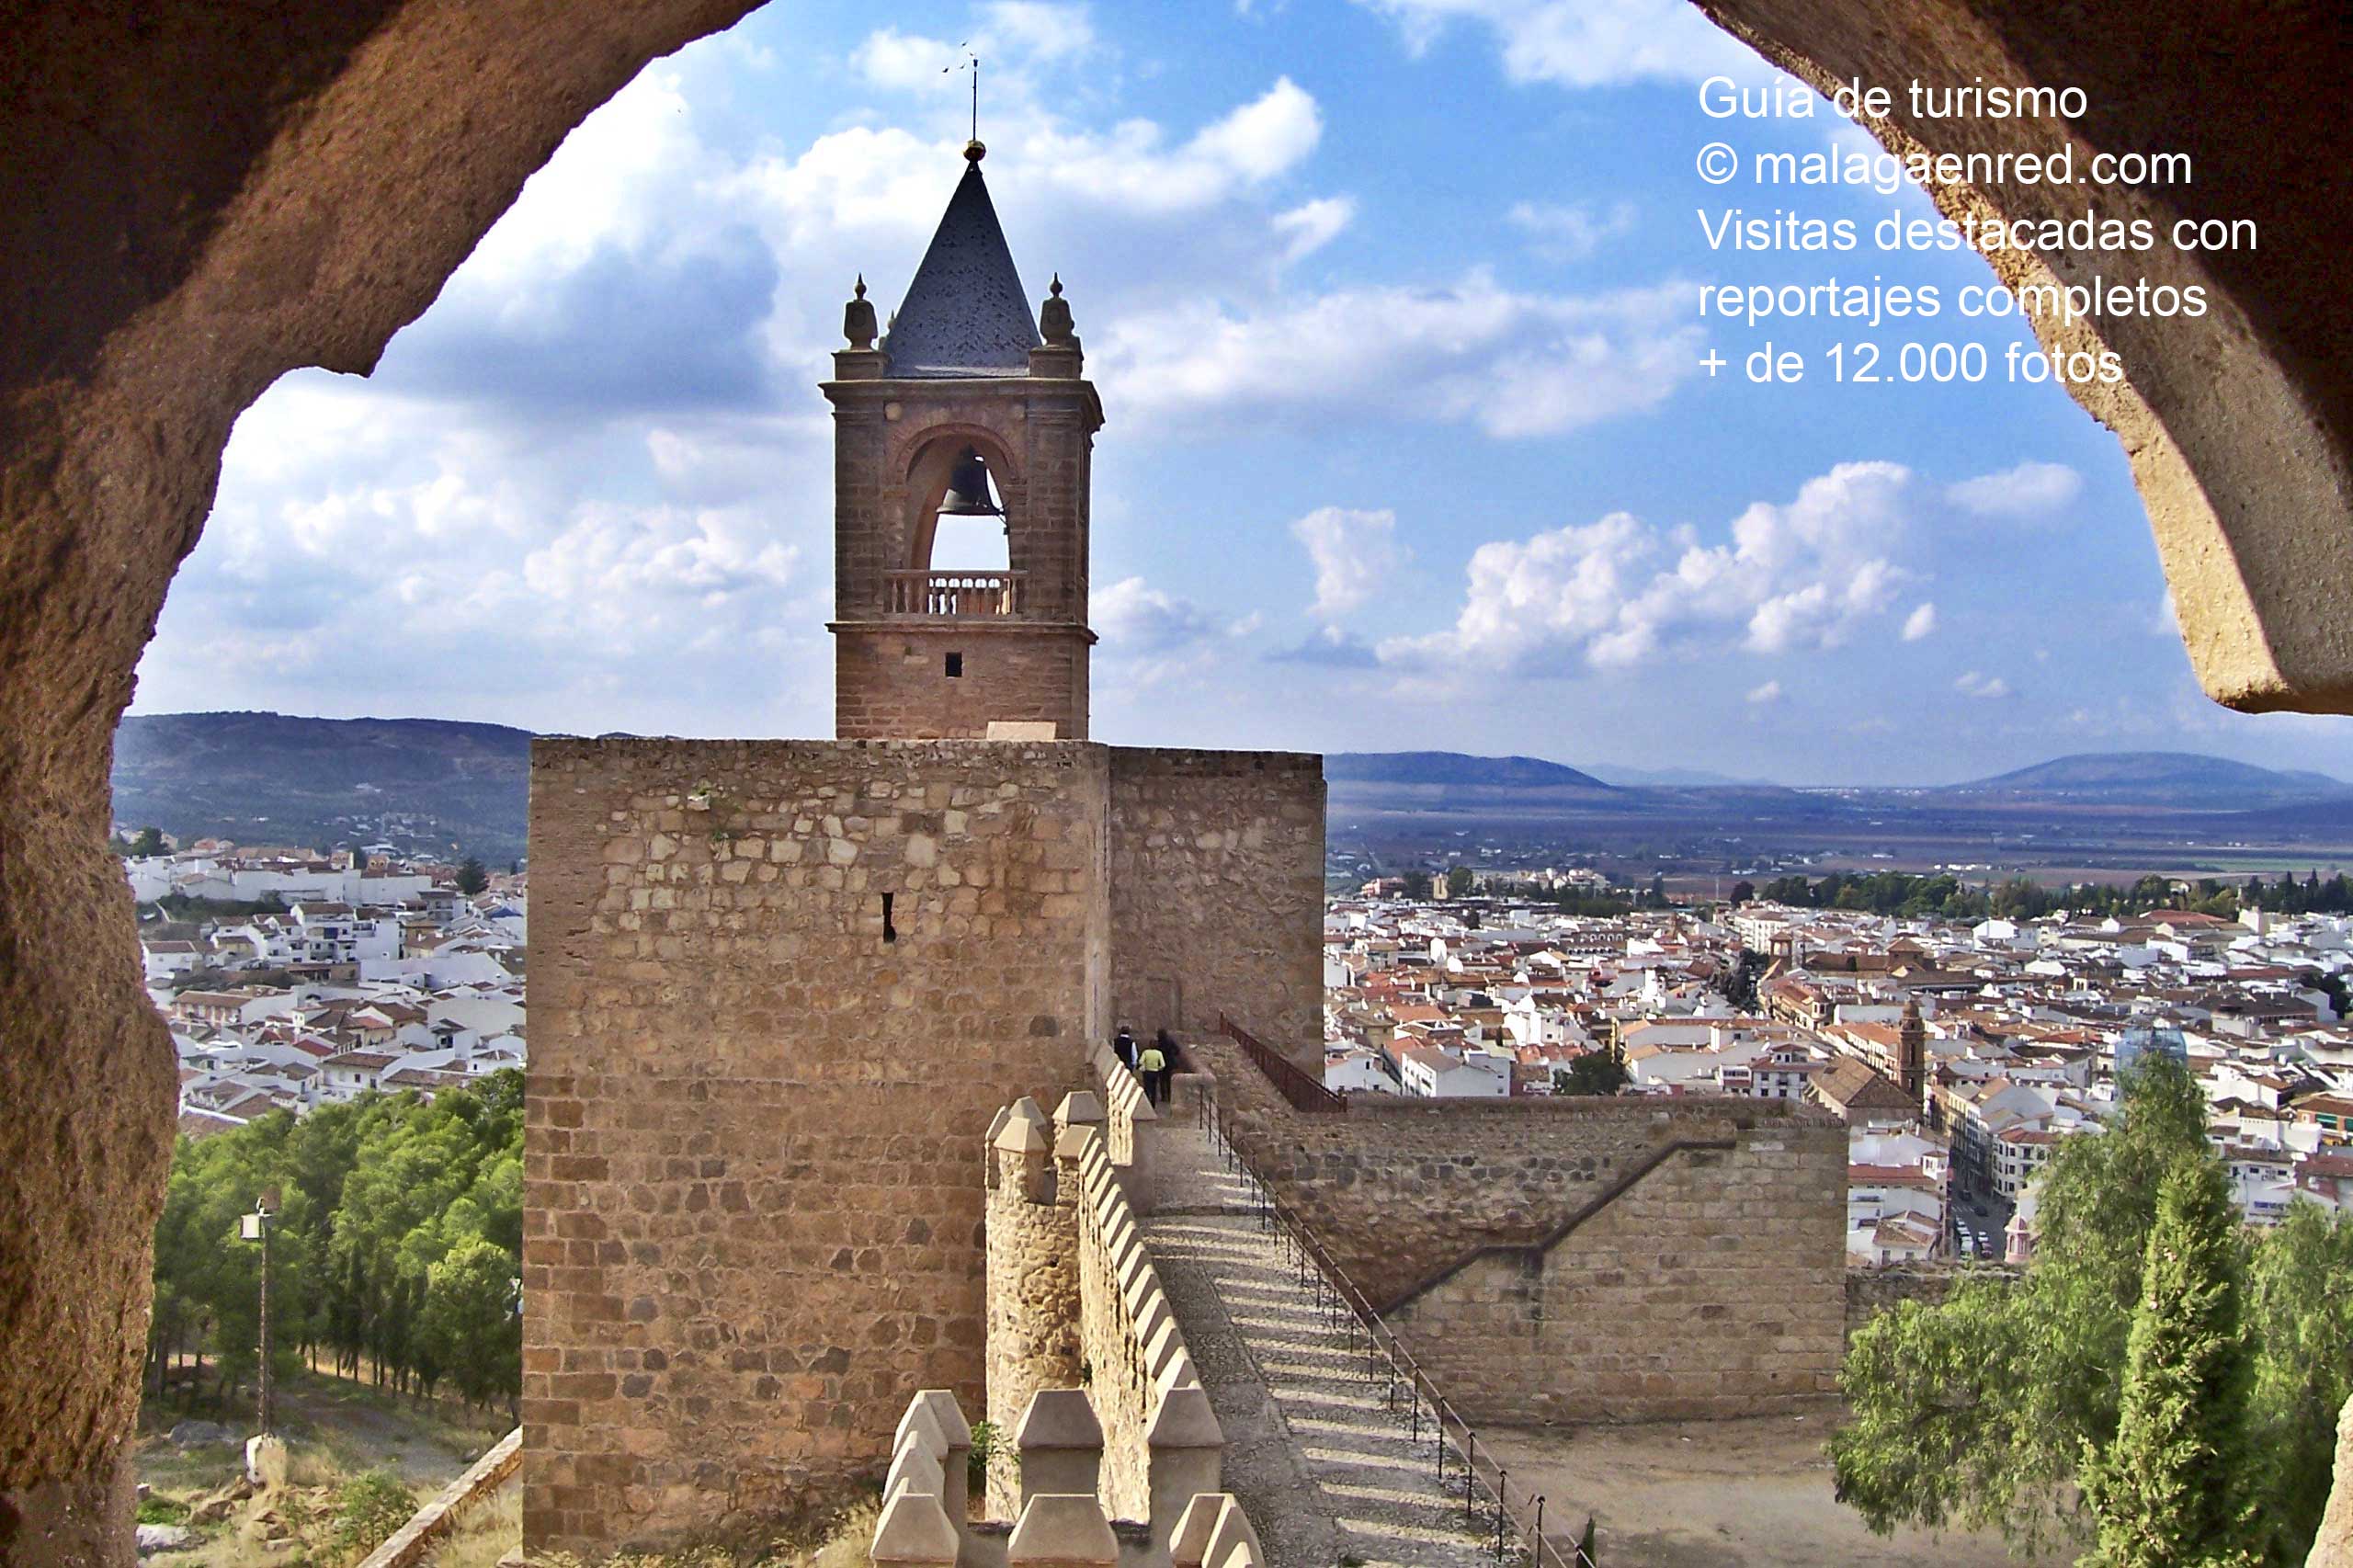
{"points": [[1911, 1057], [963, 409]]}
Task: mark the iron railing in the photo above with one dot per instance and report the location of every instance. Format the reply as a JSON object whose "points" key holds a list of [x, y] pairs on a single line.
{"points": [[1515, 1530], [1295, 1083], [959, 595]]}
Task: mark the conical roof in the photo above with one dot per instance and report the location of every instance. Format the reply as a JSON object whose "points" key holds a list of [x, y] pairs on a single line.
{"points": [[966, 313]]}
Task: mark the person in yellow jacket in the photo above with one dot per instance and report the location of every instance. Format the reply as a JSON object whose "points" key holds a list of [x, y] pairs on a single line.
{"points": [[1152, 1066]]}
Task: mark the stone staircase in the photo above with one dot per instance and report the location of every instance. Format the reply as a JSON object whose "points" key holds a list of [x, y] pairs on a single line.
{"points": [[1329, 1474]]}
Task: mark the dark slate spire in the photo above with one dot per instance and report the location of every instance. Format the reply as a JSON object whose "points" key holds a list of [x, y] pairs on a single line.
{"points": [[966, 313]]}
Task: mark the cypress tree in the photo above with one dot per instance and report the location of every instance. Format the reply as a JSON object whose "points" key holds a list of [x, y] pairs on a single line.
{"points": [[2173, 1490]]}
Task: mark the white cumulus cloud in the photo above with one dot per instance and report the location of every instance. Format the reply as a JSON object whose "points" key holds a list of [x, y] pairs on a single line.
{"points": [[1972, 683], [1583, 43], [1811, 573], [1353, 552], [2030, 491], [1311, 225], [1920, 624], [1515, 364], [1769, 692]]}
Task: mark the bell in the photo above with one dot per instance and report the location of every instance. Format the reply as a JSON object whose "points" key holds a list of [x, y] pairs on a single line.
{"points": [[968, 490]]}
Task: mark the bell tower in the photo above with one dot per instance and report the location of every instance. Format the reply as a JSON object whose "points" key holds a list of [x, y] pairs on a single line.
{"points": [[963, 409]]}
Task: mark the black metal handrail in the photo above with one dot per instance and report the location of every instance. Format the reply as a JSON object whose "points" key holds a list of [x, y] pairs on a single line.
{"points": [[1388, 1359], [1302, 1088]]}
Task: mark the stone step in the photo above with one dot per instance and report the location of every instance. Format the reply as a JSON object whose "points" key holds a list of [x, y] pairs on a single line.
{"points": [[1372, 1488]]}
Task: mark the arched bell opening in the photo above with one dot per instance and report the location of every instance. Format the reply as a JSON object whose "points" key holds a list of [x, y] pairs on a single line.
{"points": [[963, 499]]}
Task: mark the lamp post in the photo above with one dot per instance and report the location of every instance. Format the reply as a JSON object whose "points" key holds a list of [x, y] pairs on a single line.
{"points": [[255, 1227]]}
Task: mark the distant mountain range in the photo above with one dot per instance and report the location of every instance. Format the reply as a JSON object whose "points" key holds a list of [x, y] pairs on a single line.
{"points": [[428, 784], [438, 785], [2180, 779], [1453, 767]]}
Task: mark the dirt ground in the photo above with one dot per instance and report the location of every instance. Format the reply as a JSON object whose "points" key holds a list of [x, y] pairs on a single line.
{"points": [[1712, 1494], [335, 1428]]}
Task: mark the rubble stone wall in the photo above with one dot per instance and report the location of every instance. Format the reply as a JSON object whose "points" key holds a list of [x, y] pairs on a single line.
{"points": [[1709, 1286], [1513, 1243], [1871, 1291], [1217, 894], [1033, 1303], [1113, 1324], [754, 1179]]}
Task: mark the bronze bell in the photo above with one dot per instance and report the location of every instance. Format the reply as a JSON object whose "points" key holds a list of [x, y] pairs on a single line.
{"points": [[968, 489]]}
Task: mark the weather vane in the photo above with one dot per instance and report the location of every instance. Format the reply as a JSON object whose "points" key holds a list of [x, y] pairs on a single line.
{"points": [[972, 64]]}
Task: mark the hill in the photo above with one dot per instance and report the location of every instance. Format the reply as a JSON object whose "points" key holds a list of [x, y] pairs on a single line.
{"points": [[2172, 778], [1454, 769], [428, 784]]}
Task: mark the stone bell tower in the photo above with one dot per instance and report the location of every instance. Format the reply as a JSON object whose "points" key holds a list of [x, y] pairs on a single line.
{"points": [[780, 987], [961, 406]]}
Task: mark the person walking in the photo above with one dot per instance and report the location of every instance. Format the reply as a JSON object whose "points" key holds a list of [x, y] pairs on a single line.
{"points": [[1123, 1046], [1152, 1068], [1167, 1044]]}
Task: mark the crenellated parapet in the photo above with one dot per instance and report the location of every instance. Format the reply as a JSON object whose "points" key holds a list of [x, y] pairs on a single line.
{"points": [[1089, 1377], [1130, 1130], [1062, 1519]]}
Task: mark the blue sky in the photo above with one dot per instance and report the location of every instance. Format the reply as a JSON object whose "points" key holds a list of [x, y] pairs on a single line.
{"points": [[1393, 309]]}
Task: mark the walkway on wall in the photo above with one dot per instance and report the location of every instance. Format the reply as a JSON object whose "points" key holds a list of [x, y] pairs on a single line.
{"points": [[1327, 1473]]}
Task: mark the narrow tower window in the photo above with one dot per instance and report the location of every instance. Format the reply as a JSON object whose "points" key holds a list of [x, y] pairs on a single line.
{"points": [[955, 666], [890, 932]]}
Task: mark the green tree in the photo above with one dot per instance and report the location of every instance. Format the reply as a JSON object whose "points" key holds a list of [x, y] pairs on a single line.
{"points": [[1460, 881], [146, 842], [471, 877], [1977, 1410], [469, 1322], [1742, 891], [2299, 1314], [1594, 1073], [2171, 1491]]}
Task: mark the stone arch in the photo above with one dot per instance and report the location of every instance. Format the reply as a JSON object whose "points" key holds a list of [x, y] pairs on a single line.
{"points": [[196, 202], [930, 455]]}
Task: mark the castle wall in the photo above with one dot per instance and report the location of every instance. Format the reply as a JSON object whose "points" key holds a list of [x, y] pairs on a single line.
{"points": [[891, 681], [1710, 1288], [1112, 1344], [1217, 894], [1871, 1291], [1517, 1243], [1033, 1295], [753, 1180]]}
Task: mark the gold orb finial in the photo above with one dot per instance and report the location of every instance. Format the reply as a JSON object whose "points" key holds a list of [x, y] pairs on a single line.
{"points": [[975, 152]]}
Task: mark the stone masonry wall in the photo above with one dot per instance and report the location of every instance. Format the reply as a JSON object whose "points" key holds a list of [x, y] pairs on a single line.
{"points": [[1512, 1241], [1710, 1288], [1033, 1297], [1113, 1345], [1403, 1188], [1217, 894], [753, 1160], [893, 682], [1871, 1291]]}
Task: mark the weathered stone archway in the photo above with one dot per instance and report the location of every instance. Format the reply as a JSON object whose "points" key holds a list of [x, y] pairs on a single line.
{"points": [[199, 198]]}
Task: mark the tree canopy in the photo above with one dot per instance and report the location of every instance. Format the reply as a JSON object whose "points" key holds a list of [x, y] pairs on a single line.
{"points": [[1946, 897], [1982, 1410], [395, 1218]]}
